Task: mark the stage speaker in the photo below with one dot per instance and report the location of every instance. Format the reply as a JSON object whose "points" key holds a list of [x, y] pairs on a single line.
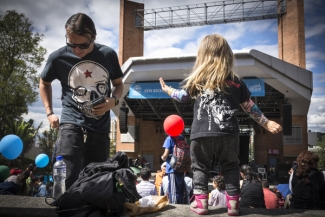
{"points": [[287, 119], [123, 119], [243, 149], [283, 175]]}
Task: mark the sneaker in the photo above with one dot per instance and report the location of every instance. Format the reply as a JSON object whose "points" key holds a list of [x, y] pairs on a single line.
{"points": [[232, 204], [199, 204]]}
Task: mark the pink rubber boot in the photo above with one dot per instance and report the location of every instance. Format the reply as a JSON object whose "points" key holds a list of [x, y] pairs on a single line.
{"points": [[233, 204], [199, 204]]}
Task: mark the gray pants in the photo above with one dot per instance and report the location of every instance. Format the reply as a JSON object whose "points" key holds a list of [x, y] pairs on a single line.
{"points": [[78, 151], [226, 150]]}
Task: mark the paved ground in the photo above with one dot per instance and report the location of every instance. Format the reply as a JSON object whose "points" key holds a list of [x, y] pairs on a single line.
{"points": [[18, 206]]}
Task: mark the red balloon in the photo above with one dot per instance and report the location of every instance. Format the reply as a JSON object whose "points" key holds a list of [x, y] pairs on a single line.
{"points": [[173, 125]]}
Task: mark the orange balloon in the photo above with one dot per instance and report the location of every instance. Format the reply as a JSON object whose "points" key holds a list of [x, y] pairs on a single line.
{"points": [[173, 125]]}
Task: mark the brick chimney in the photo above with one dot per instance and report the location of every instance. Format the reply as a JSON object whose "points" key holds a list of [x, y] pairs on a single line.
{"points": [[291, 34], [131, 38]]}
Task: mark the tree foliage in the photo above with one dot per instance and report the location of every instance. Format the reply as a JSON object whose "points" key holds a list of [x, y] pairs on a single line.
{"points": [[20, 56], [25, 131], [112, 149], [47, 141], [321, 153]]}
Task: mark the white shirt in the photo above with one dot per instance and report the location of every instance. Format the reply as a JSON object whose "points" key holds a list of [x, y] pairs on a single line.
{"points": [[217, 198], [146, 188]]}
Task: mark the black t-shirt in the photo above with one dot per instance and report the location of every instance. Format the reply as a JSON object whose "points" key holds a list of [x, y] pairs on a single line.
{"points": [[83, 80], [308, 195], [252, 195], [215, 111]]}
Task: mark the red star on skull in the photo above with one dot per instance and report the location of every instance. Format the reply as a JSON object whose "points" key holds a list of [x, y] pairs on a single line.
{"points": [[87, 73]]}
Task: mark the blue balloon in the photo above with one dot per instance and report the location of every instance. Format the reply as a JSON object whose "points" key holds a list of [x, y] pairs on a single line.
{"points": [[11, 146], [42, 160]]}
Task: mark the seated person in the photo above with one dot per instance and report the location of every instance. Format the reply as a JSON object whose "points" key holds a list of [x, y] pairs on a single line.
{"points": [[308, 185], [218, 195], [270, 198], [159, 177], [42, 192], [14, 185], [252, 195], [145, 187], [280, 197], [242, 176]]}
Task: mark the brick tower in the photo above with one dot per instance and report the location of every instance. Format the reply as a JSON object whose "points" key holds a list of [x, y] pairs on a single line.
{"points": [[291, 34], [131, 38]]}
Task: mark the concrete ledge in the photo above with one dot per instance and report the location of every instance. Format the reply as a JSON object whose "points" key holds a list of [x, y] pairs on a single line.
{"points": [[17, 206]]}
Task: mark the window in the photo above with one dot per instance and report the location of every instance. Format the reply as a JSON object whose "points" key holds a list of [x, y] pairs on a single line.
{"points": [[295, 138]]}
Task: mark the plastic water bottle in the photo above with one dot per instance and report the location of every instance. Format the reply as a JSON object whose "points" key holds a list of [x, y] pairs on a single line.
{"points": [[59, 174]]}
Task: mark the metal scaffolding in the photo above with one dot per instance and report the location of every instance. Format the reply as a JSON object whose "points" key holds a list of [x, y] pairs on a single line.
{"points": [[210, 13]]}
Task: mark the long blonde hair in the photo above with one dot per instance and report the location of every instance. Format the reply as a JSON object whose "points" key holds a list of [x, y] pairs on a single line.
{"points": [[214, 64]]}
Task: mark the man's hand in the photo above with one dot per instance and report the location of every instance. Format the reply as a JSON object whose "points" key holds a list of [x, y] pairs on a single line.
{"points": [[54, 121]]}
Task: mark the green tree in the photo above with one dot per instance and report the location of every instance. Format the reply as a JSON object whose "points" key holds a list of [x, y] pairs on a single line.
{"points": [[321, 153], [20, 56], [47, 141], [112, 149]]}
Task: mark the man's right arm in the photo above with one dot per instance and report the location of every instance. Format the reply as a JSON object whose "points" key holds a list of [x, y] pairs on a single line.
{"points": [[45, 90]]}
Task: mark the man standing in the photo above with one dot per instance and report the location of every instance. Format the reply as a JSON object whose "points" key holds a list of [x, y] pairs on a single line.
{"points": [[85, 70]]}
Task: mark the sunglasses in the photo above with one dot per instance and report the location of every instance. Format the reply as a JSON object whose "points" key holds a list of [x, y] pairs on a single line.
{"points": [[81, 46]]}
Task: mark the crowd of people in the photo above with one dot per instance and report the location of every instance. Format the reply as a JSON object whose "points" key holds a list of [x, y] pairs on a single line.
{"points": [[307, 192], [23, 182]]}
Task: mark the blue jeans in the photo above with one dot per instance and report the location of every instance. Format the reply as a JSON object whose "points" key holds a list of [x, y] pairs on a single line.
{"points": [[176, 187], [79, 147]]}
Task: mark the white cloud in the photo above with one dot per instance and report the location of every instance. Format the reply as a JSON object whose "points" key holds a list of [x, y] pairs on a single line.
{"points": [[316, 114], [310, 64], [271, 50], [315, 30], [315, 55]]}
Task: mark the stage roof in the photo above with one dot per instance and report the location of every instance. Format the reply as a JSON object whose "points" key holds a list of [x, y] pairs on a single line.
{"points": [[283, 82]]}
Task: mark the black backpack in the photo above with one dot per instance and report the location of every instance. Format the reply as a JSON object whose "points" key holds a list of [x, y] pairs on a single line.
{"points": [[101, 190]]}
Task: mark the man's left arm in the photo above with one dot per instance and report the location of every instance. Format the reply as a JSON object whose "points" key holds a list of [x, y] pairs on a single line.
{"points": [[117, 88]]}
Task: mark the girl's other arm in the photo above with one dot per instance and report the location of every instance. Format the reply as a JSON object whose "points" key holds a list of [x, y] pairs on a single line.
{"points": [[254, 112]]}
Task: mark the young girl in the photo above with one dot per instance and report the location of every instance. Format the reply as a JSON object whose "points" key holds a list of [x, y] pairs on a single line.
{"points": [[218, 94], [218, 195]]}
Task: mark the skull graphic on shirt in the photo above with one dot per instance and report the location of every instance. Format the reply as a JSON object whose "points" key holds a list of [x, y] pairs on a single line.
{"points": [[88, 80]]}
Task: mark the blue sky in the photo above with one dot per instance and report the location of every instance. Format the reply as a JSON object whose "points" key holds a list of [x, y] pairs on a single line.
{"points": [[49, 18]]}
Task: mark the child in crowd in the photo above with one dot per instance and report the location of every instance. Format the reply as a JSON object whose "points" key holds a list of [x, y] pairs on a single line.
{"points": [[176, 184], [145, 187], [42, 191], [159, 177], [280, 197], [218, 93], [218, 195], [270, 198]]}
